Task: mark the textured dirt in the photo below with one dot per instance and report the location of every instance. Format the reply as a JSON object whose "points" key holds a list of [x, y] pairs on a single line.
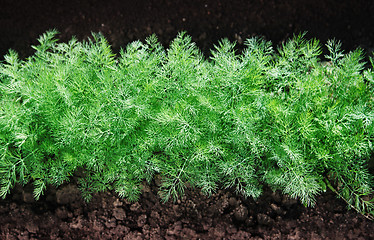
{"points": [[61, 213]]}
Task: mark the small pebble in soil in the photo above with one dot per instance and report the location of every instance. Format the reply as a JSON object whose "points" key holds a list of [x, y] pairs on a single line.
{"points": [[263, 219], [119, 214], [241, 213]]}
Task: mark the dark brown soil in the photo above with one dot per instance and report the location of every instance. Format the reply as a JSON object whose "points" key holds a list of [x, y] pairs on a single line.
{"points": [[207, 21], [61, 213]]}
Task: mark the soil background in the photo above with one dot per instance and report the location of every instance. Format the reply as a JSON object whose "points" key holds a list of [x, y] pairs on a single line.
{"points": [[207, 21], [61, 213]]}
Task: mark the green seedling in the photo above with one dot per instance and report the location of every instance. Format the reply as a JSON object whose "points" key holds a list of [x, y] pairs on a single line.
{"points": [[265, 116]]}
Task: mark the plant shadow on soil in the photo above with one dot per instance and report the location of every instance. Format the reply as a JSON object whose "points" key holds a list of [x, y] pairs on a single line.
{"points": [[62, 214]]}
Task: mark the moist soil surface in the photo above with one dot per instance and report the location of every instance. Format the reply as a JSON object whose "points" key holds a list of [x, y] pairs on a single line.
{"points": [[62, 214], [206, 21]]}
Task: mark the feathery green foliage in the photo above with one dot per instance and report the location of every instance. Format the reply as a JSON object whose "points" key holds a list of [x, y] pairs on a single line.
{"points": [[277, 117]]}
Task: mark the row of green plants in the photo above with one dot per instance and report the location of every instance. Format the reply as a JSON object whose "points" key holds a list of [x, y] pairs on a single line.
{"points": [[281, 117]]}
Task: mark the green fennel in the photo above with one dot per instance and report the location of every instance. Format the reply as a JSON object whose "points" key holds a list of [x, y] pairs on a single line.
{"points": [[276, 117]]}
